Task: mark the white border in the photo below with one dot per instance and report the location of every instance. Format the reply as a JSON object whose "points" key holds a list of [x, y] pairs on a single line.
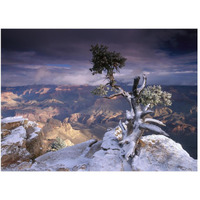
{"points": [[99, 14]]}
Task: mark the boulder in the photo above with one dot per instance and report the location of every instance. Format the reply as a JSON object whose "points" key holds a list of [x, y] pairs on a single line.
{"points": [[159, 153], [19, 142], [106, 160]]}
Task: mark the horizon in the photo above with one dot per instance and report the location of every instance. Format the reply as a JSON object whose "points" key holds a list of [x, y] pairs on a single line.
{"points": [[62, 56], [86, 85]]}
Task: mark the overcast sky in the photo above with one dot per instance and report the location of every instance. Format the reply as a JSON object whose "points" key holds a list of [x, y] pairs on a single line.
{"points": [[166, 56]]}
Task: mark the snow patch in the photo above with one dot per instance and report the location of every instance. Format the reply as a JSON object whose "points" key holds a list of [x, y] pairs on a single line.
{"points": [[13, 119], [37, 129], [17, 135], [33, 135]]}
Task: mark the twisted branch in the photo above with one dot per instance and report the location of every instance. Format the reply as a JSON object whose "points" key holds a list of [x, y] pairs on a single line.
{"points": [[141, 88]]}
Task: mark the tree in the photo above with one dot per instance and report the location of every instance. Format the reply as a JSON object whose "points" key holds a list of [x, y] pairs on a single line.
{"points": [[57, 144], [140, 98], [106, 61]]}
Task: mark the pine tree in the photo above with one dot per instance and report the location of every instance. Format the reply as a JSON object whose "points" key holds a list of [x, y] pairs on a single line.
{"points": [[140, 98]]}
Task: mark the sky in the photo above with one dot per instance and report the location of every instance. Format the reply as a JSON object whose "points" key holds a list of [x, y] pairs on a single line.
{"points": [[62, 56]]}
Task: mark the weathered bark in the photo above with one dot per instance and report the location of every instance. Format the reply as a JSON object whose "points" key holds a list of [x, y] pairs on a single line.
{"points": [[135, 121]]}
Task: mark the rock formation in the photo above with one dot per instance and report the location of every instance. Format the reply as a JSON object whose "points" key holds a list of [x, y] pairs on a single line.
{"points": [[23, 140], [39, 103], [20, 142], [155, 153], [56, 129]]}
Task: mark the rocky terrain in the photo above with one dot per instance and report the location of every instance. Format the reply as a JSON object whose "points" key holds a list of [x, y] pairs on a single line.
{"points": [[91, 116], [154, 153], [22, 140], [56, 129]]}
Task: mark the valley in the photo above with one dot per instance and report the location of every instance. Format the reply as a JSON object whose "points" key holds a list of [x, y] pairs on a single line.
{"points": [[87, 116]]}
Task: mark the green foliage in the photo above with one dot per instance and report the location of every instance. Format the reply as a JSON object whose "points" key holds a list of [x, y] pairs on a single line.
{"points": [[154, 95], [104, 60], [110, 62], [101, 90], [57, 144]]}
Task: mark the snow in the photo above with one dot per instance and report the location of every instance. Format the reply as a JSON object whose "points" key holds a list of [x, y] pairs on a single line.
{"points": [[159, 154], [14, 147], [33, 135], [17, 135], [72, 158], [3, 151], [162, 154], [106, 161], [110, 141], [31, 123], [37, 129], [13, 119], [129, 115]]}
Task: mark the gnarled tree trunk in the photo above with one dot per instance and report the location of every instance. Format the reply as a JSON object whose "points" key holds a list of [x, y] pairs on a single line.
{"points": [[136, 122]]}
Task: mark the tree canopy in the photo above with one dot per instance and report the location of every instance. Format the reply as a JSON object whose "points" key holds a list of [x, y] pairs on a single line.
{"points": [[109, 62], [106, 61]]}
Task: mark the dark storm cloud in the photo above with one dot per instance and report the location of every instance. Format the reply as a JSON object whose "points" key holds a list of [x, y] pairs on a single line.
{"points": [[63, 56], [179, 44]]}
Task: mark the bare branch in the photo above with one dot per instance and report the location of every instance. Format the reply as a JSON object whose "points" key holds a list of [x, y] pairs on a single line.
{"points": [[146, 113], [141, 88], [135, 85], [146, 107], [122, 126], [121, 92], [113, 95], [150, 120], [153, 128], [124, 131]]}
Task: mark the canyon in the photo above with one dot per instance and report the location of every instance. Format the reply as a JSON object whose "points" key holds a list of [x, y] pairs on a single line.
{"points": [[73, 108]]}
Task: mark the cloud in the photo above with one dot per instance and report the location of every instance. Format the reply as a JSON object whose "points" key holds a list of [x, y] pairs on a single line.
{"points": [[63, 56], [53, 75]]}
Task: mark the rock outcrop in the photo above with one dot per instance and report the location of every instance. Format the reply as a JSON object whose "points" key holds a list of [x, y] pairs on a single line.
{"points": [[155, 153], [20, 142], [159, 153], [73, 158], [56, 129]]}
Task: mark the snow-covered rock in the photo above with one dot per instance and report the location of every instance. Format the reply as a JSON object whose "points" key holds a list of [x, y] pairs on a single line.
{"points": [[72, 158], [109, 157], [110, 141], [16, 135], [155, 153], [92, 155], [159, 153], [10, 123], [8, 120], [19, 141]]}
